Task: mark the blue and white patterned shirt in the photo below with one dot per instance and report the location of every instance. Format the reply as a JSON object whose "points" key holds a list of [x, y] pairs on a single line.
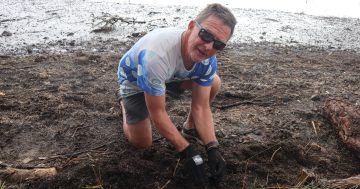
{"points": [[155, 60]]}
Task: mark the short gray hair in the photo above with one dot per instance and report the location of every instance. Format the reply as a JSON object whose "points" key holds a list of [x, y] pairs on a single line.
{"points": [[219, 11]]}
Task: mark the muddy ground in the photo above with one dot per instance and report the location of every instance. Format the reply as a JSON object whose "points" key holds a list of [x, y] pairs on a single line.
{"points": [[59, 110]]}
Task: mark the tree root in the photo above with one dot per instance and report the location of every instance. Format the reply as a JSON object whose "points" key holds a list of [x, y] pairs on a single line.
{"points": [[346, 120], [19, 175]]}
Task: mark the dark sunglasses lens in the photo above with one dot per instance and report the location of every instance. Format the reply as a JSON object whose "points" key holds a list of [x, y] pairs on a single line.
{"points": [[218, 45], [208, 37], [205, 35]]}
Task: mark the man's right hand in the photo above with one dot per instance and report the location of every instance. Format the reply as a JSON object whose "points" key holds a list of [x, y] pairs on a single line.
{"points": [[194, 163]]}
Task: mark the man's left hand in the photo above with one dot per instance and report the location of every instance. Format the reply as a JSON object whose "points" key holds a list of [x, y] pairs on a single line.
{"points": [[217, 166]]}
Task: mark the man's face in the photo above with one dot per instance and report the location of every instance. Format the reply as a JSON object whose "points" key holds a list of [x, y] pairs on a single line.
{"points": [[201, 46]]}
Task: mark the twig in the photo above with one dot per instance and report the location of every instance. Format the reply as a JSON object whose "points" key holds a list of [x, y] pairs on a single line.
{"points": [[108, 22], [166, 184], [21, 175], [94, 187], [20, 166], [262, 152], [12, 20], [241, 103], [307, 150], [307, 146], [77, 128], [177, 164], [272, 156], [313, 124], [45, 19], [84, 151], [99, 180]]}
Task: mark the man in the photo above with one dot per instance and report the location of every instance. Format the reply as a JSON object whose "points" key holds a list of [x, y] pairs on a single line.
{"points": [[175, 59]]}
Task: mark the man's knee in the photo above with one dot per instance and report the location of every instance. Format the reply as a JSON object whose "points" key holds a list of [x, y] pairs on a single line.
{"points": [[139, 134], [215, 88], [217, 82]]}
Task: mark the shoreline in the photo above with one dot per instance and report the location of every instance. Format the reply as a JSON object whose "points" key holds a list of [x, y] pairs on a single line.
{"points": [[69, 25]]}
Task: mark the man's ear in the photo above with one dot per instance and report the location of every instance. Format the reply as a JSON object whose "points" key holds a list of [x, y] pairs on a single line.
{"points": [[191, 24]]}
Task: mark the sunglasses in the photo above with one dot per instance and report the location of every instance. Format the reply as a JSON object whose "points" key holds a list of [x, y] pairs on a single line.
{"points": [[208, 38]]}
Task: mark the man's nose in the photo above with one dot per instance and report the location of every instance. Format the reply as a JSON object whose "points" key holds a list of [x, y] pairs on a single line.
{"points": [[209, 46]]}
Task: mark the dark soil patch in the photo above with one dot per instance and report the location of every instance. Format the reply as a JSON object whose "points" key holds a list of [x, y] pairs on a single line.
{"points": [[60, 110]]}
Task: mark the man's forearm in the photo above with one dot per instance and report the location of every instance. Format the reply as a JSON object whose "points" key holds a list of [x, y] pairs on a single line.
{"points": [[159, 116], [168, 130], [204, 124]]}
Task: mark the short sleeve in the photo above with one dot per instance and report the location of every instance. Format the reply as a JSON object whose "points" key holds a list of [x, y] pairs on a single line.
{"points": [[206, 72]]}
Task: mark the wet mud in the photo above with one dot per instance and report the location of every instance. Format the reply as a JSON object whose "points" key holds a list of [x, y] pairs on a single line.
{"points": [[60, 110]]}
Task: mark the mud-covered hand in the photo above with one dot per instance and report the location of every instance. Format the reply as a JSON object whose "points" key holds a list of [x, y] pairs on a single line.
{"points": [[194, 164], [217, 165]]}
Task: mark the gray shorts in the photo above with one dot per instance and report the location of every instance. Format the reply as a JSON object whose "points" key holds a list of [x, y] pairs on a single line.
{"points": [[135, 104]]}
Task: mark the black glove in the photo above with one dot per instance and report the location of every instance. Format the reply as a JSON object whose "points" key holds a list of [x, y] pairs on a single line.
{"points": [[194, 164], [217, 165]]}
